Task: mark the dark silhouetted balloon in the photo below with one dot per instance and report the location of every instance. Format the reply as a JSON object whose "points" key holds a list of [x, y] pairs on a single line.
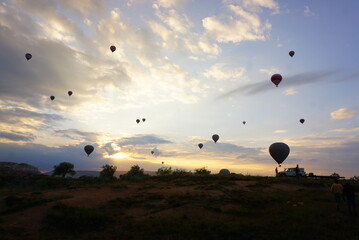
{"points": [[69, 93], [215, 138], [224, 172], [113, 48], [143, 119], [152, 152], [279, 151], [89, 149], [28, 56], [52, 98], [276, 79], [162, 162], [137, 121], [291, 53], [200, 145], [244, 122], [302, 121]]}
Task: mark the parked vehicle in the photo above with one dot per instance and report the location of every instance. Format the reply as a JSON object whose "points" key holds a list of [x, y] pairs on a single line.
{"points": [[290, 172]]}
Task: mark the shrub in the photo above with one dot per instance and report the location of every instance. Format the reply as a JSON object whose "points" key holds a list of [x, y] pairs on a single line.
{"points": [[202, 170], [135, 173], [107, 172], [180, 171], [164, 171]]}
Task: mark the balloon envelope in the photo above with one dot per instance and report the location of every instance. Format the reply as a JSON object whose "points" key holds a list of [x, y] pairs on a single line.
{"points": [[52, 98], [215, 138], [200, 145], [224, 172], [69, 93], [28, 56], [302, 121], [279, 151], [137, 121], [291, 53], [244, 122], [89, 149], [152, 152], [113, 48], [276, 79], [143, 119]]}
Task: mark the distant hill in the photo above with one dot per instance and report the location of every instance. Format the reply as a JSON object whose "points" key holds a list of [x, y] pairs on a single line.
{"points": [[80, 173], [18, 168]]}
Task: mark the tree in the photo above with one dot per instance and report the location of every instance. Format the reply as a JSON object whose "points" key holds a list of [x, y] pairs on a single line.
{"points": [[107, 172], [202, 170], [164, 171], [64, 168], [134, 173], [335, 175]]}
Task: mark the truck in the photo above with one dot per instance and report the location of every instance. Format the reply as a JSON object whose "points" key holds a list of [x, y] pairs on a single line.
{"points": [[290, 172]]}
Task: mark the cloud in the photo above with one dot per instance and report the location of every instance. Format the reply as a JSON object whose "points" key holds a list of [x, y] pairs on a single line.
{"points": [[222, 71], [142, 140], [292, 81], [344, 130], [280, 131], [243, 24], [76, 134], [307, 12], [17, 136], [269, 71], [290, 91], [342, 113]]}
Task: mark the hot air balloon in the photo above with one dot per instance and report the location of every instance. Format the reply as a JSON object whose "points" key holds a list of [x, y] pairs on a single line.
{"points": [[291, 53], [113, 48], [279, 151], [89, 149], [52, 98], [152, 152], [137, 121], [302, 121], [224, 172], [162, 162], [215, 138], [276, 79], [200, 145], [143, 119], [244, 122], [69, 93], [28, 56]]}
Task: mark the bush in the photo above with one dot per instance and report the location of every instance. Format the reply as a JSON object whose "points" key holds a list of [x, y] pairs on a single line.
{"points": [[135, 173], [107, 172], [180, 172], [164, 171], [202, 170]]}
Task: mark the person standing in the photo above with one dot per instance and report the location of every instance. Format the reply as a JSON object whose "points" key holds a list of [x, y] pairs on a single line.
{"points": [[297, 171], [337, 190], [349, 196], [276, 172]]}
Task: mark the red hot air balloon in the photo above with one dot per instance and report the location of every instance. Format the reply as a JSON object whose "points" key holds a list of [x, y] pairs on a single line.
{"points": [[137, 121], [69, 93], [52, 98], [28, 56], [279, 151], [215, 138], [89, 149], [276, 79], [200, 145], [302, 121], [113, 48], [291, 53]]}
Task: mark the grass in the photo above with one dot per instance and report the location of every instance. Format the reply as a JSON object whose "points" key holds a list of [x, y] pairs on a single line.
{"points": [[198, 207]]}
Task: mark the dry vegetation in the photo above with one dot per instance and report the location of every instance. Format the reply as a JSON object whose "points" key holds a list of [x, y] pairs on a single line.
{"points": [[172, 207]]}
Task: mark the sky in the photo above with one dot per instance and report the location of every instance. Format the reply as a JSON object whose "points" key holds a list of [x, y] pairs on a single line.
{"points": [[191, 68]]}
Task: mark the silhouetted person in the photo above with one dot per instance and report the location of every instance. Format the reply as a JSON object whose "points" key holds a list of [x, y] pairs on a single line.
{"points": [[337, 190], [276, 172], [297, 171], [349, 196]]}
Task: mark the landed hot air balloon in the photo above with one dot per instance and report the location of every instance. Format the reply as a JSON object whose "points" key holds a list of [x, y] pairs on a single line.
{"points": [[152, 152], [224, 172], [52, 98], [244, 122], [137, 121], [69, 93], [279, 151], [200, 145], [276, 79], [113, 48], [302, 121], [291, 53], [143, 119], [28, 56], [215, 138], [89, 149]]}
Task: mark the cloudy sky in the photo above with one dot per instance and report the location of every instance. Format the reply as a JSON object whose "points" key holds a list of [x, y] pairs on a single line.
{"points": [[192, 68]]}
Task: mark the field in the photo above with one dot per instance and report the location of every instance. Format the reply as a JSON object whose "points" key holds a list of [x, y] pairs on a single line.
{"points": [[172, 207]]}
